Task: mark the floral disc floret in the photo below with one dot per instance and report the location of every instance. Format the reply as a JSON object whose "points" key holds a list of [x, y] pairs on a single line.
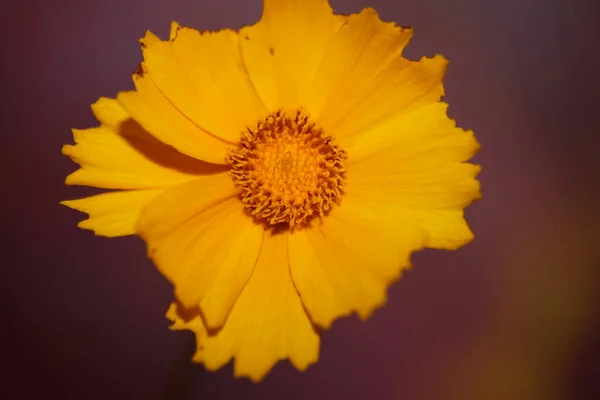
{"points": [[288, 169]]}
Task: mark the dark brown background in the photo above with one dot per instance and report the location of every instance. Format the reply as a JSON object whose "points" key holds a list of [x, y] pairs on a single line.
{"points": [[512, 316]]}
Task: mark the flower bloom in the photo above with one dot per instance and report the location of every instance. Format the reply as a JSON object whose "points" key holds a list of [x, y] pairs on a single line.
{"points": [[281, 175]]}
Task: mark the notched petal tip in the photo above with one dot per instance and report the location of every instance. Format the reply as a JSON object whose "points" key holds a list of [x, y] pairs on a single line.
{"points": [[369, 15], [324, 322], [109, 112], [436, 66], [476, 146], [67, 203], [370, 12], [175, 27], [77, 136], [101, 104], [67, 150], [460, 236], [365, 314], [73, 180], [440, 59], [467, 238], [149, 39], [112, 214], [140, 72], [476, 190], [181, 316], [84, 224], [256, 376]]}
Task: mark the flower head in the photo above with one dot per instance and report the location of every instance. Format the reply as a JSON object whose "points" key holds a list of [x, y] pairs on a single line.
{"points": [[281, 175]]}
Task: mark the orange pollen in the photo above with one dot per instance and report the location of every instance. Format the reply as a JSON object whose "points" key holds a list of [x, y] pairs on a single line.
{"points": [[288, 170]]}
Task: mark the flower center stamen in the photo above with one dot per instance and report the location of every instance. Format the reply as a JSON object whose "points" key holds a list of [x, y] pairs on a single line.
{"points": [[288, 170]]}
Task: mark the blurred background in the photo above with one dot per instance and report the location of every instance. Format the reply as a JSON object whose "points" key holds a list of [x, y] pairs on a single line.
{"points": [[515, 315]]}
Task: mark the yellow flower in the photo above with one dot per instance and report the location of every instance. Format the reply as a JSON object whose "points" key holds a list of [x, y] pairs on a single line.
{"points": [[281, 175]]}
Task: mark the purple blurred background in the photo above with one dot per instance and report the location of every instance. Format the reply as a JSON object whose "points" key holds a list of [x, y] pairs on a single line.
{"points": [[512, 316]]}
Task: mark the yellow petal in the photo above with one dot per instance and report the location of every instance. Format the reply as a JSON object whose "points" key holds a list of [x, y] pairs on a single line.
{"points": [[203, 76], [282, 51], [174, 29], [183, 202], [267, 323], [346, 263], [122, 155], [158, 116], [446, 229], [442, 228], [363, 78], [115, 213], [202, 241], [419, 161], [110, 113]]}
